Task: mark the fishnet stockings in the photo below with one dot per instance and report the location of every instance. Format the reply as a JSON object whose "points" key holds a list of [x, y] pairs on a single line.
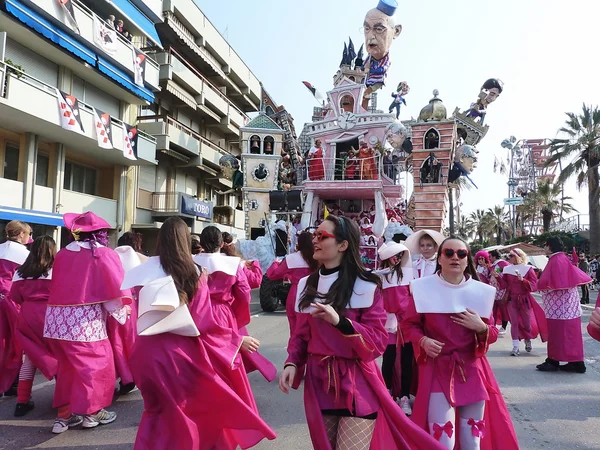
{"points": [[331, 427], [354, 433]]}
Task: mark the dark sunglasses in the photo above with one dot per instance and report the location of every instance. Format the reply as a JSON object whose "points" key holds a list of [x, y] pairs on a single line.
{"points": [[449, 252], [320, 235]]}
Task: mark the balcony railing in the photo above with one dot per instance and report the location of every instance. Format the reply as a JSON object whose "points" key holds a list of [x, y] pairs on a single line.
{"points": [[573, 224], [166, 202], [342, 169]]}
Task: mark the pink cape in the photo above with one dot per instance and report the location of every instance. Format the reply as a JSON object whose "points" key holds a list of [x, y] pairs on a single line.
{"points": [[122, 338], [391, 425], [256, 361], [560, 273], [191, 388], [32, 295]]}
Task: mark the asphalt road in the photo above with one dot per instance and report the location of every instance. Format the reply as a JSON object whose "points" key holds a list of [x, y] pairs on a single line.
{"points": [[549, 410]]}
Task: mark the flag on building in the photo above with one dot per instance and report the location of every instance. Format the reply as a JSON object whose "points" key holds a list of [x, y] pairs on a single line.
{"points": [[314, 92], [70, 115], [103, 129], [351, 51], [67, 7], [104, 37], [139, 66], [130, 140]]}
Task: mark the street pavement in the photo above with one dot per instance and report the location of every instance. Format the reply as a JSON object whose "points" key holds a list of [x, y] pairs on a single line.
{"points": [[549, 410]]}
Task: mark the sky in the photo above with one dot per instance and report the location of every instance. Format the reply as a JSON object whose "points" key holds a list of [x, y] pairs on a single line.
{"points": [[543, 50]]}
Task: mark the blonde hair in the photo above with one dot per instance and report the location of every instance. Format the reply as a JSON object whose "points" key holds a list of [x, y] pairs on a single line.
{"points": [[521, 255], [14, 228]]}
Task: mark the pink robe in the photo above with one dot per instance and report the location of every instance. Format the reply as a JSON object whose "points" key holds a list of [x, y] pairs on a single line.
{"points": [[81, 284], [281, 270], [122, 337], [10, 354], [522, 304], [256, 361], [500, 309], [342, 373], [558, 284], [462, 372], [591, 329], [188, 385], [33, 295]]}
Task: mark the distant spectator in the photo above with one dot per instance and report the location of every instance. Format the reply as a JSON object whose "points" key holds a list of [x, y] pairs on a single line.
{"points": [[121, 29], [111, 21]]}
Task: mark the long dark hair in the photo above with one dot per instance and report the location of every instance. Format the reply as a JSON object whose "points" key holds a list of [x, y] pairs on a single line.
{"points": [[351, 268], [211, 239], [394, 268], [173, 249], [469, 270], [40, 259], [228, 245], [133, 239], [306, 249]]}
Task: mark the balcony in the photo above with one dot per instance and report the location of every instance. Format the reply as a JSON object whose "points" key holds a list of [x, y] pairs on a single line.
{"points": [[44, 14], [229, 217], [76, 202], [165, 204], [168, 131], [18, 112], [12, 193], [190, 86]]}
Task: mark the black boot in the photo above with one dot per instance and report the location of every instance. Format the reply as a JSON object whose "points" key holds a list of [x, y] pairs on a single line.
{"points": [[574, 367], [550, 365], [23, 408], [126, 388]]}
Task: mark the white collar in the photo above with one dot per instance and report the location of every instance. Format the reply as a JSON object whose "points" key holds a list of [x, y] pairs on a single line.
{"points": [[296, 261], [218, 262], [14, 252], [408, 275], [76, 246], [128, 256], [18, 277]]}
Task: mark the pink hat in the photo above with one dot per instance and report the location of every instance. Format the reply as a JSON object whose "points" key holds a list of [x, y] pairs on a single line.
{"points": [[85, 223]]}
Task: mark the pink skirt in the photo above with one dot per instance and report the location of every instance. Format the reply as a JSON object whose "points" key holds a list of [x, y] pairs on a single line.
{"points": [[565, 340]]}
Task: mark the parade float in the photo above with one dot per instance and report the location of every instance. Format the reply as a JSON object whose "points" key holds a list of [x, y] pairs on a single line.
{"points": [[351, 158]]}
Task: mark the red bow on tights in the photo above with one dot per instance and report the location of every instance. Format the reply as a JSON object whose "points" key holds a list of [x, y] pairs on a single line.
{"points": [[477, 427], [439, 430]]}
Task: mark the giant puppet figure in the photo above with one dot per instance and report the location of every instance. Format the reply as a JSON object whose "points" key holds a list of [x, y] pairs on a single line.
{"points": [[489, 92], [380, 31]]}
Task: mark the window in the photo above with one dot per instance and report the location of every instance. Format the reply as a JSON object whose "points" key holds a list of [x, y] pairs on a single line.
{"points": [[41, 170], [11, 161], [80, 178]]}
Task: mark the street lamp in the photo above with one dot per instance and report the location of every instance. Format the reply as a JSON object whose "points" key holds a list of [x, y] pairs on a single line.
{"points": [[514, 147]]}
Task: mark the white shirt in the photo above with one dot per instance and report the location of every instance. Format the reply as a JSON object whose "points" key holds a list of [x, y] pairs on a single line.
{"points": [[425, 267]]}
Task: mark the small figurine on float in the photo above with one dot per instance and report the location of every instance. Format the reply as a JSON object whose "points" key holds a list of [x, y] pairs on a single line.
{"points": [[230, 167], [352, 165], [380, 31], [398, 97], [490, 91], [366, 156], [431, 170], [316, 167]]}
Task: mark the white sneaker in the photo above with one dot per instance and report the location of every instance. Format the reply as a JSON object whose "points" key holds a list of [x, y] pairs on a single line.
{"points": [[102, 417], [528, 346], [405, 406], [515, 351], [501, 331], [62, 425]]}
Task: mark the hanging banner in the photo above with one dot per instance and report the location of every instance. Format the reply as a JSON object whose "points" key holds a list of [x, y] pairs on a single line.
{"points": [[104, 37], [67, 6], [130, 140], [70, 115], [139, 66], [103, 129]]}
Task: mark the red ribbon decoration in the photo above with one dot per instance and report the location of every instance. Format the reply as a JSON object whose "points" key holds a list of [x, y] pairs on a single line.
{"points": [[477, 427], [438, 430]]}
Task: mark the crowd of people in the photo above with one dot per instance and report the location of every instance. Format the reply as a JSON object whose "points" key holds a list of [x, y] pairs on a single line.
{"points": [[119, 27], [88, 315]]}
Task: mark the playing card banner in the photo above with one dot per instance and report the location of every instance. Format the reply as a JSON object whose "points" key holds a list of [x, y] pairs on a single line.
{"points": [[130, 140], [67, 6], [70, 116], [103, 129], [139, 66], [105, 37]]}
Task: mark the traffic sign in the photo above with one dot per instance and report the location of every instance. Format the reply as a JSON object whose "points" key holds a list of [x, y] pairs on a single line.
{"points": [[514, 201]]}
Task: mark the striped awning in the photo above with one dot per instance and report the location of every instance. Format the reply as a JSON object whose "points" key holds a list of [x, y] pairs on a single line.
{"points": [[181, 94]]}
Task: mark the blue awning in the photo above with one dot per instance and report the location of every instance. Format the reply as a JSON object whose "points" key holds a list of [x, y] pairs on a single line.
{"points": [[34, 20], [31, 216], [138, 19], [124, 80]]}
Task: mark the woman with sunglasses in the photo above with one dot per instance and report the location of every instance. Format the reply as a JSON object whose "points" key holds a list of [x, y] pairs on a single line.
{"points": [[13, 253], [340, 331], [398, 358], [527, 318], [458, 399], [294, 267]]}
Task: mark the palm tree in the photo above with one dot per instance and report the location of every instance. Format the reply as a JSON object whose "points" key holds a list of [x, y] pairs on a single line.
{"points": [[551, 202], [481, 222], [582, 146], [499, 218], [465, 228]]}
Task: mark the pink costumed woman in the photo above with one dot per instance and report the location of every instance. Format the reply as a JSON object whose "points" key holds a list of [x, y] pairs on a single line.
{"points": [[85, 289], [497, 264], [398, 359], [184, 360], [458, 400], [12, 254], [30, 290], [339, 333], [293, 268], [527, 318], [252, 361]]}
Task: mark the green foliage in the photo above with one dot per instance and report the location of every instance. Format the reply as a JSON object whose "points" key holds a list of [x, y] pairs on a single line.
{"points": [[11, 66]]}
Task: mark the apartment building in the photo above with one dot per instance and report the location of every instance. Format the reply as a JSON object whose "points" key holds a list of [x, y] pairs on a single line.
{"points": [[207, 91], [70, 92]]}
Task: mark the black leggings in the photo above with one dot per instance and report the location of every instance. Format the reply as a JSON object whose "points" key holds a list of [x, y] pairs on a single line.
{"points": [[407, 357], [387, 365]]}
